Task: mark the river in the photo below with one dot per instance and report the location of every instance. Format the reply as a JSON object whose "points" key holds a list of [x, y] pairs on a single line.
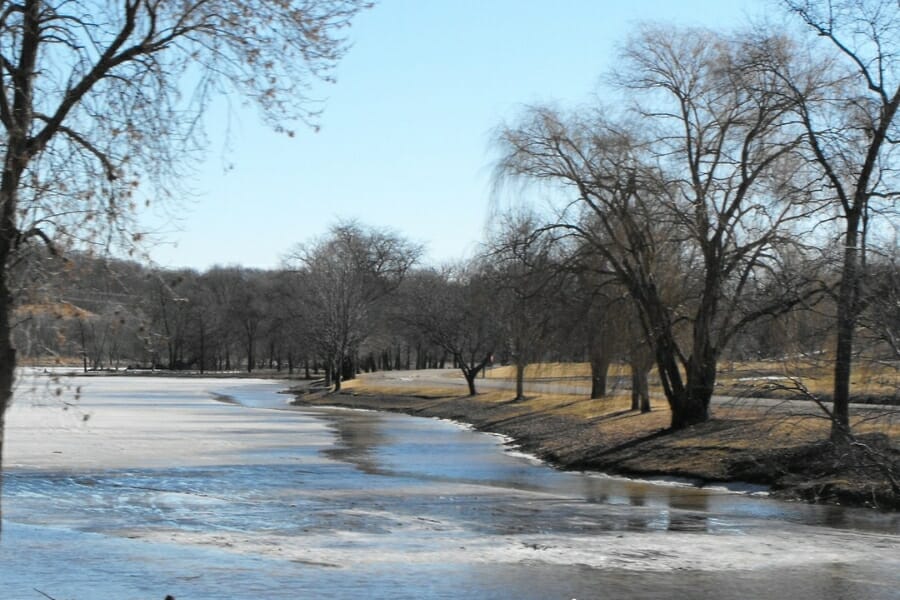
{"points": [[138, 487]]}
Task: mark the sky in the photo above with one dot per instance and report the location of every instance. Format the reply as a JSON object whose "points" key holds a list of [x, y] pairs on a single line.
{"points": [[406, 134]]}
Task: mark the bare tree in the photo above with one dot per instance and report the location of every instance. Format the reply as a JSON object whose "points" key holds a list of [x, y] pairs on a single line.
{"points": [[881, 317], [94, 99], [453, 310], [344, 276], [704, 185], [846, 96], [600, 309], [526, 269]]}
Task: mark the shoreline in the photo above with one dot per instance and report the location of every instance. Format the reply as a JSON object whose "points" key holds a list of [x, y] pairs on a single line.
{"points": [[692, 456], [791, 465], [513, 448]]}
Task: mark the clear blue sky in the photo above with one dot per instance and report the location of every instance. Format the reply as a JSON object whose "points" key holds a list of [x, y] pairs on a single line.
{"points": [[406, 133]]}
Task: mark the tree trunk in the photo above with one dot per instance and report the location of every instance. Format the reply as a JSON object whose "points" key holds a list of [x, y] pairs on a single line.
{"points": [[84, 359], [640, 361], [202, 348], [640, 390], [693, 407], [471, 372], [846, 323], [328, 373], [520, 380], [249, 354], [7, 364], [348, 367], [470, 376], [15, 159], [599, 372], [687, 408], [340, 368], [688, 395]]}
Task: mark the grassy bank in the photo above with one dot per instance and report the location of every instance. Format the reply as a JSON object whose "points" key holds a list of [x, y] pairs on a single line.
{"points": [[773, 445], [871, 382]]}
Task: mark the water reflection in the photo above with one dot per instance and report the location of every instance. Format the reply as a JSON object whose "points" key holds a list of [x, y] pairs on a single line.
{"points": [[358, 437]]}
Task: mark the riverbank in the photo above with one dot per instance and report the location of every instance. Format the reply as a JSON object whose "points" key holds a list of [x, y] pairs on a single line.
{"points": [[788, 453]]}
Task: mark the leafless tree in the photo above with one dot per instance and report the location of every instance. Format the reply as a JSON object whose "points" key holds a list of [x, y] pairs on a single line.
{"points": [[454, 310], [526, 270], [344, 276], [881, 318], [704, 180], [99, 96], [613, 324], [846, 93]]}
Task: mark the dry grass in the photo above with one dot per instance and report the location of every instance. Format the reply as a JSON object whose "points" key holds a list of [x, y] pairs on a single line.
{"points": [[750, 427], [869, 378], [754, 378], [553, 371], [370, 387]]}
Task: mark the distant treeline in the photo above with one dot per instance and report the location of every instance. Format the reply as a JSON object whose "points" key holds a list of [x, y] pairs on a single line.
{"points": [[354, 301]]}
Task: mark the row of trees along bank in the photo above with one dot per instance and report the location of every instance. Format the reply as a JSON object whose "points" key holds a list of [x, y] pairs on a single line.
{"points": [[355, 301], [740, 162]]}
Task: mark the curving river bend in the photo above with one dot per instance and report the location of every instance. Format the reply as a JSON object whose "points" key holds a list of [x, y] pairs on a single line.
{"points": [[141, 487]]}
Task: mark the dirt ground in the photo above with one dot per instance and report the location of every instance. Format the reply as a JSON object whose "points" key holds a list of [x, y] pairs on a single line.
{"points": [[740, 443]]}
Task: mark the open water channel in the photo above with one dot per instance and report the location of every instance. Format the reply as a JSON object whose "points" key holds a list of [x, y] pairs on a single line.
{"points": [[153, 486]]}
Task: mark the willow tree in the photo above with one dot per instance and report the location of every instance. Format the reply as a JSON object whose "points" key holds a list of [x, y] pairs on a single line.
{"points": [[700, 193], [98, 97]]}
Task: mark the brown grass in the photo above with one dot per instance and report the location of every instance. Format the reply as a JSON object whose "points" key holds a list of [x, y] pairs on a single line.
{"points": [[369, 387], [553, 371], [759, 428], [869, 378], [754, 378]]}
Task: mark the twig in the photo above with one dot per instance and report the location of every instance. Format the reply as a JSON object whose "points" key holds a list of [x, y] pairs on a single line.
{"points": [[881, 461]]}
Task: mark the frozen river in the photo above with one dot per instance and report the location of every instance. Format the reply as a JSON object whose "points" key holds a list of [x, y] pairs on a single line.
{"points": [[144, 487]]}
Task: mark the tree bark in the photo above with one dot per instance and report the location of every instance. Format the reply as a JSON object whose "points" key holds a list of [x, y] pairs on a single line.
{"points": [[640, 361], [640, 391], [471, 372], [15, 160], [846, 324], [470, 380], [520, 380], [7, 366], [599, 373], [202, 347]]}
